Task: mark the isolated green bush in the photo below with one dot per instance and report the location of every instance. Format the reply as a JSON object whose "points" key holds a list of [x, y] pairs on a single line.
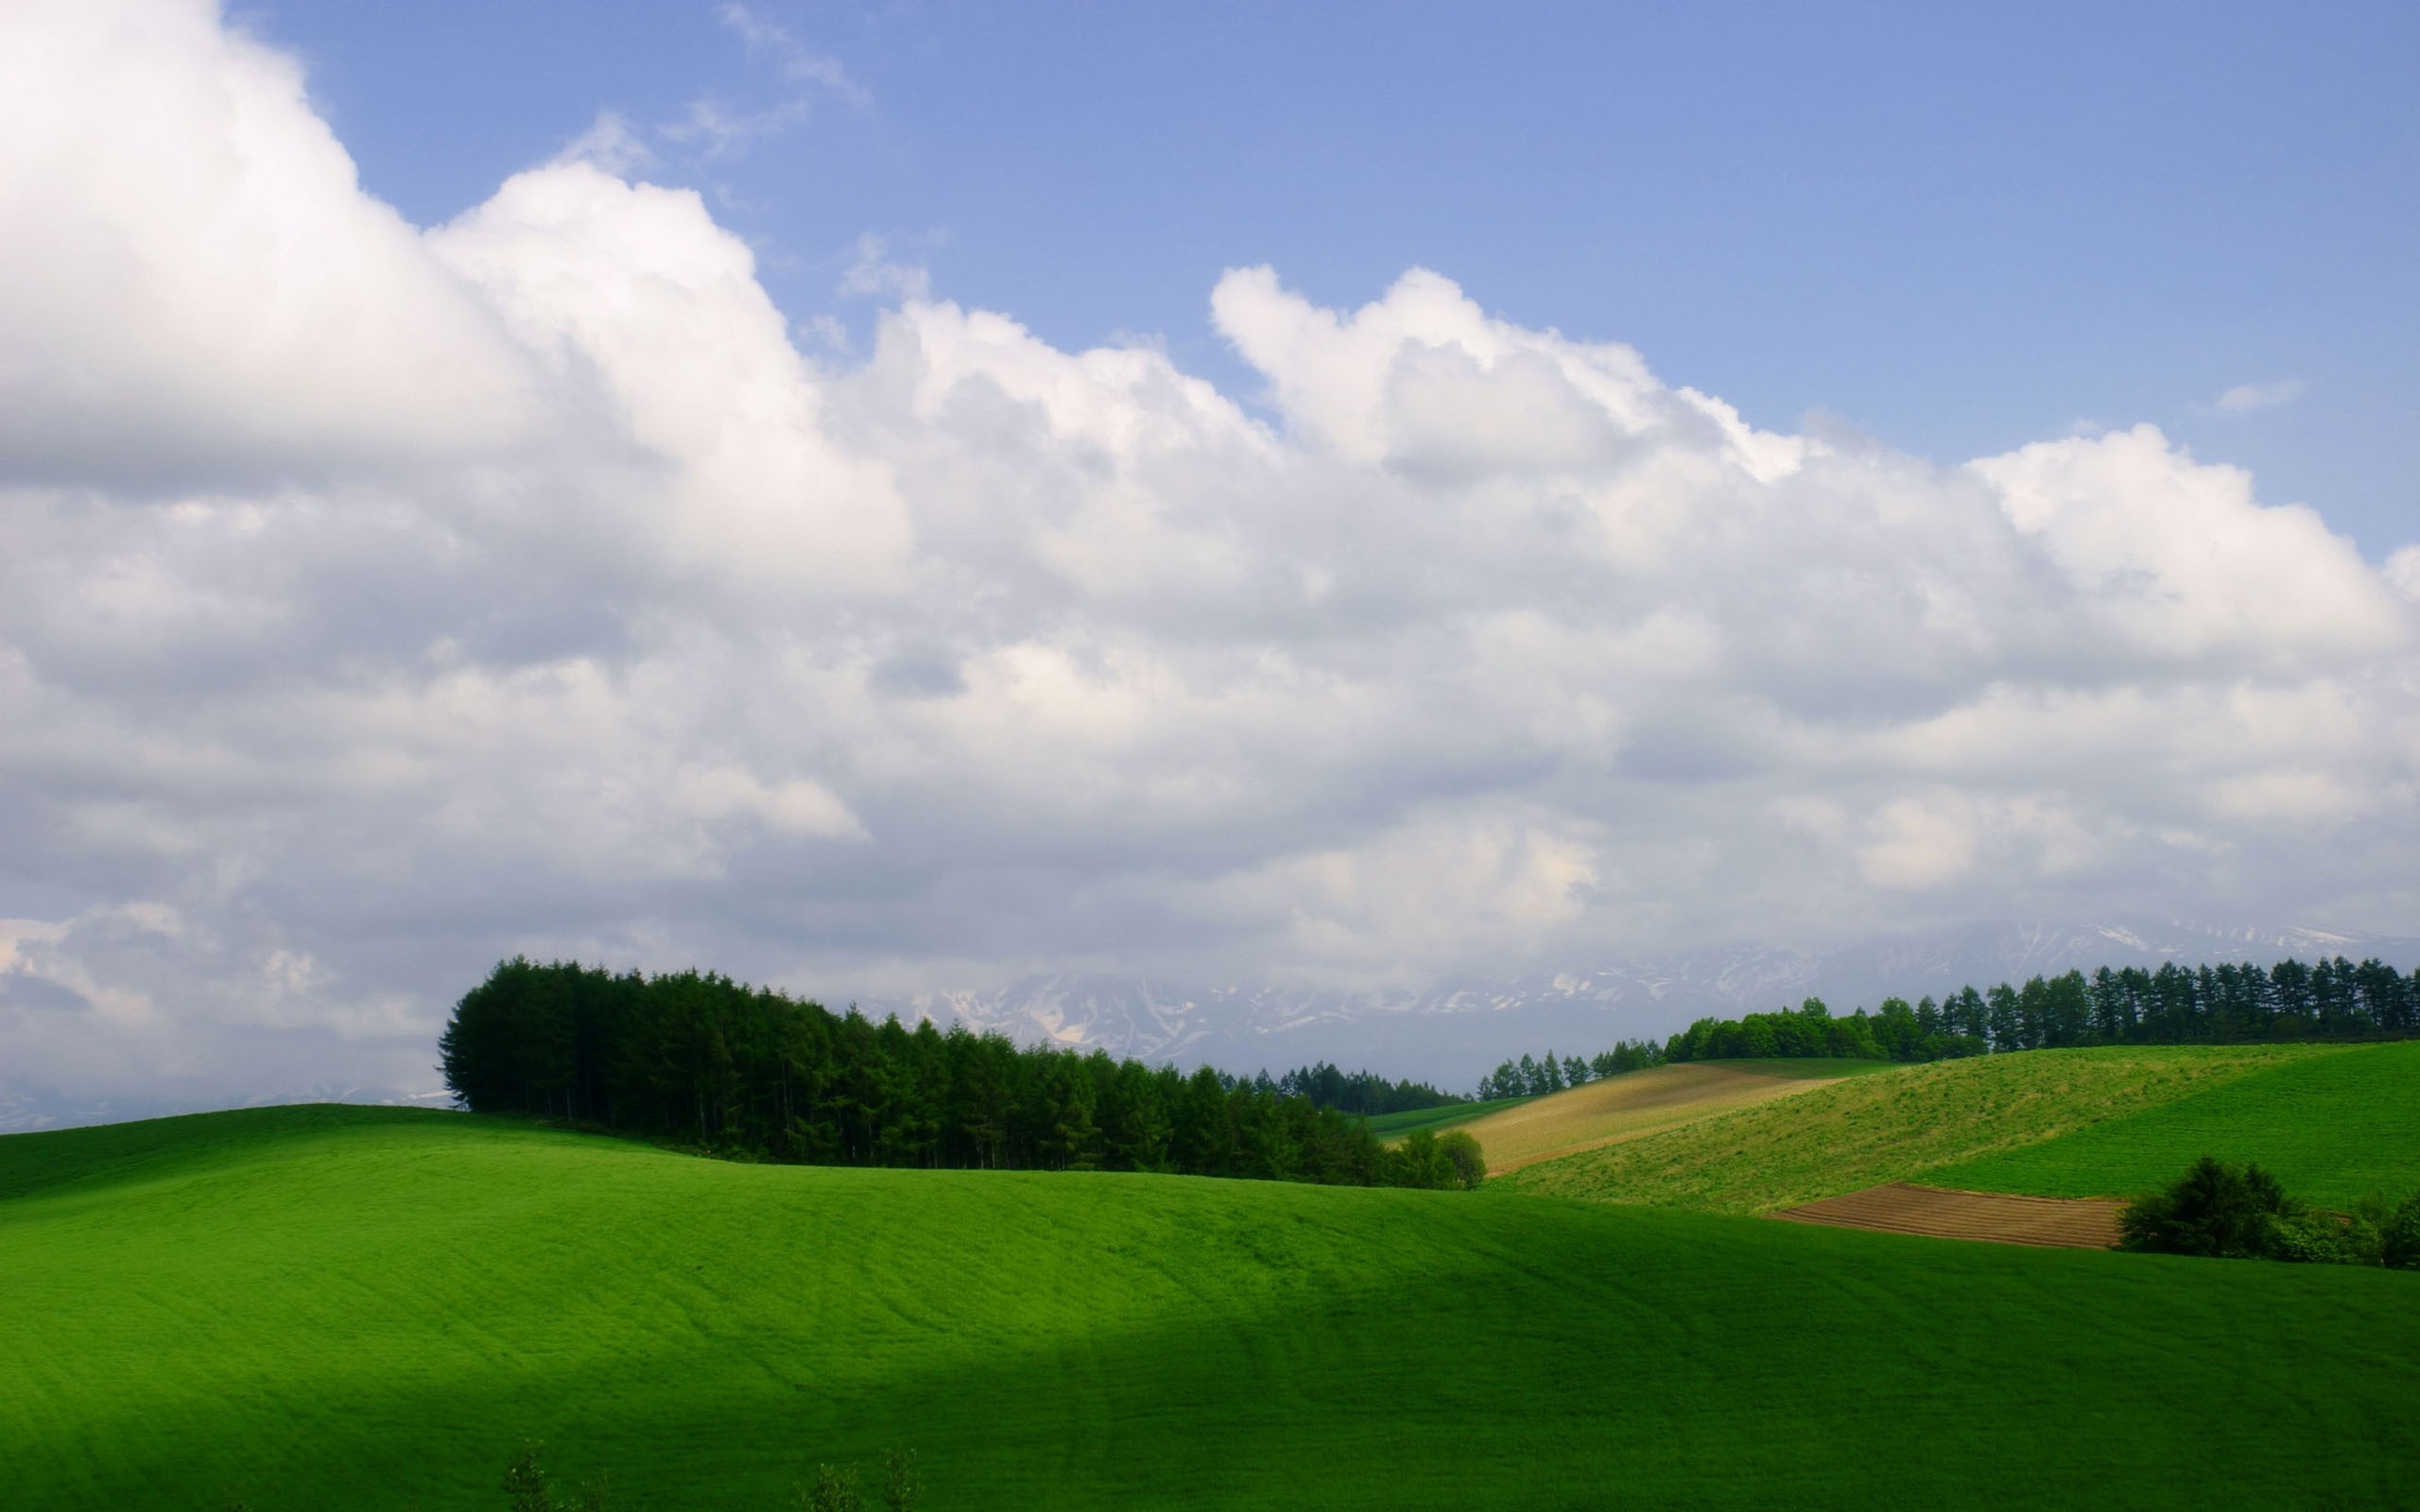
{"points": [[1462, 1153], [836, 1486], [2400, 1236], [2313, 1239], [2216, 1209], [524, 1481]]}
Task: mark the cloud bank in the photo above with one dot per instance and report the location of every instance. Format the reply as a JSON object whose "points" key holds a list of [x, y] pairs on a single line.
{"points": [[377, 600], [2245, 398]]}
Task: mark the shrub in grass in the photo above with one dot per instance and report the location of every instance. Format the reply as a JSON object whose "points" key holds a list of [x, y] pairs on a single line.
{"points": [[836, 1486], [2317, 1238], [1462, 1153], [1439, 1162], [835, 1490], [524, 1481], [2216, 1209], [901, 1485], [2241, 1212], [2400, 1236]]}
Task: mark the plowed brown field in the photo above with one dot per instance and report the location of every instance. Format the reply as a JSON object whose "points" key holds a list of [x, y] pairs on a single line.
{"points": [[2082, 1223]]}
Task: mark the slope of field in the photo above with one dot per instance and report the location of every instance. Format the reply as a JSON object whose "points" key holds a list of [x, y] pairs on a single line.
{"points": [[1638, 1103], [1393, 1127], [1913, 1126], [2333, 1129], [1807, 1068], [368, 1308], [1898, 1207], [1565, 1120]]}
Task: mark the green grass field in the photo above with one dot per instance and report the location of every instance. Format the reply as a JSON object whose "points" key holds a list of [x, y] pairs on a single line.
{"points": [[1811, 1067], [1631, 1106], [1915, 1124], [2331, 1127], [368, 1308], [1392, 1126], [1545, 1108]]}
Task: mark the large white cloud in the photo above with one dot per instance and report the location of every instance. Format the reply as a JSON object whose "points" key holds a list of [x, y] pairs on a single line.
{"points": [[196, 285], [375, 601]]}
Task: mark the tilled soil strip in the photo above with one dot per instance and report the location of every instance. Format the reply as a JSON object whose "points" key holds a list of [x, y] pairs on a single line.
{"points": [[2080, 1223]]}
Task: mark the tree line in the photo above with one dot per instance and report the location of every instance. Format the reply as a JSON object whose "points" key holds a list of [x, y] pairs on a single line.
{"points": [[2331, 999], [749, 1071], [1363, 1092], [1537, 1076]]}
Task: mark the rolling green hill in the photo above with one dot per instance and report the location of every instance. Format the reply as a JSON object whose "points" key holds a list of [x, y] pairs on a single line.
{"points": [[2331, 1127], [1615, 1106], [1392, 1126], [1638, 1102], [1914, 1124], [368, 1308]]}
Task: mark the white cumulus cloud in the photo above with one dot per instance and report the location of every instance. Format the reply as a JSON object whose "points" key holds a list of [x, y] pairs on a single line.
{"points": [[2245, 398], [379, 600]]}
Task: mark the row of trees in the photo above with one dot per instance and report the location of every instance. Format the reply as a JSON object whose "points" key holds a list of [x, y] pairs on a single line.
{"points": [[750, 1072], [2174, 1005], [1364, 1092], [1535, 1077], [1808, 1031], [2178, 1004]]}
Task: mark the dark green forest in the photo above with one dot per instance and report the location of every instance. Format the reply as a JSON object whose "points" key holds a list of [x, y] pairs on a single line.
{"points": [[749, 1071], [1360, 1092]]}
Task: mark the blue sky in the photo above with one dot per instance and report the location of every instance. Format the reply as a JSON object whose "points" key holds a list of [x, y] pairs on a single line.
{"points": [[1957, 230], [894, 501]]}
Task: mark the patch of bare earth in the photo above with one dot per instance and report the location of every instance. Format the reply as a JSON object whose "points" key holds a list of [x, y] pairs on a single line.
{"points": [[2078, 1223]]}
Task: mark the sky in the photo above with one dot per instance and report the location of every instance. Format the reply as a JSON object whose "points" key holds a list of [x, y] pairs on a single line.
{"points": [[878, 499]]}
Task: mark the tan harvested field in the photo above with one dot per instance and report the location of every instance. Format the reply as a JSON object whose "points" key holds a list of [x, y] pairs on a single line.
{"points": [[1623, 1107], [2076, 1223], [1899, 1124]]}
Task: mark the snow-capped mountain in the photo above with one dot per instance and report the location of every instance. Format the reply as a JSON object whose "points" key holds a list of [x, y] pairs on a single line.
{"points": [[24, 1110], [1455, 1029]]}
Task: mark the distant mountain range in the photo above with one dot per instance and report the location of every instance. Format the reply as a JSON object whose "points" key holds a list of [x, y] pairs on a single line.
{"points": [[1455, 1031], [24, 1109]]}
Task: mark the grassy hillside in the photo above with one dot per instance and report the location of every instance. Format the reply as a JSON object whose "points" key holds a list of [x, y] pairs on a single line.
{"points": [[1805, 1067], [1638, 1103], [1392, 1126], [371, 1308], [2332, 1128], [1909, 1126]]}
